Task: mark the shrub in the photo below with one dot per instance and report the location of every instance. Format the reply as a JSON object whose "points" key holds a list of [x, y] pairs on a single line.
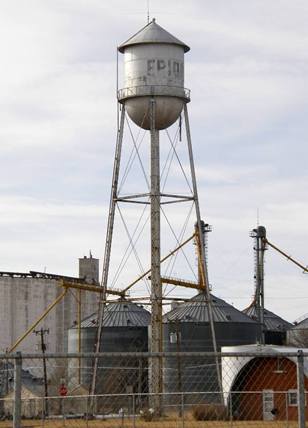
{"points": [[210, 412], [147, 414]]}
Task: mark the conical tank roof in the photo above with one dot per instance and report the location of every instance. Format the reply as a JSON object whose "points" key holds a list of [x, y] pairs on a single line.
{"points": [[120, 314], [303, 324], [272, 321], [152, 33], [196, 310]]}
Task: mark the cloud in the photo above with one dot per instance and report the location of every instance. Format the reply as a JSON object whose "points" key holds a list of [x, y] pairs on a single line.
{"points": [[248, 73]]}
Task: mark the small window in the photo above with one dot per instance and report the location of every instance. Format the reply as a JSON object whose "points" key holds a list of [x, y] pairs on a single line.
{"points": [[292, 397], [173, 338]]}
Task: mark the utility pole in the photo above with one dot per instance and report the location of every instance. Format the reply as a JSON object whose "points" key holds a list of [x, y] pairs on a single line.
{"points": [[42, 333]]}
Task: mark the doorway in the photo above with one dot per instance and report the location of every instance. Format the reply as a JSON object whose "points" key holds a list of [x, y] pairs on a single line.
{"points": [[268, 404]]}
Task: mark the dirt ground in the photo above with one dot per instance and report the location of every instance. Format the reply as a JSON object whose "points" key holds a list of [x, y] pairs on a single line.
{"points": [[162, 423]]}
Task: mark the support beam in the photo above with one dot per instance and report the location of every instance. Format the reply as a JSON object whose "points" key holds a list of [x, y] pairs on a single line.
{"points": [[305, 269], [79, 334], [202, 252], [161, 261], [109, 235], [156, 381], [93, 288], [182, 283], [113, 199]]}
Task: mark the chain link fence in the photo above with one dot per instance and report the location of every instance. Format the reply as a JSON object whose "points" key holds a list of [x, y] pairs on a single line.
{"points": [[248, 389]]}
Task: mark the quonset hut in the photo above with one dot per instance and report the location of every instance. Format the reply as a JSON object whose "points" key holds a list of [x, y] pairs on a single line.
{"points": [[187, 328], [125, 329], [275, 327]]}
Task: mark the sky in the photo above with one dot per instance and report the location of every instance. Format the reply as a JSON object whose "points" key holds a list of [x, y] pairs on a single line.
{"points": [[247, 71]]}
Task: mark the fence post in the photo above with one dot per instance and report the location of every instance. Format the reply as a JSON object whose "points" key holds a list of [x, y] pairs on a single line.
{"points": [[134, 411], [230, 409], [301, 389], [87, 412], [287, 408], [17, 391], [182, 410]]}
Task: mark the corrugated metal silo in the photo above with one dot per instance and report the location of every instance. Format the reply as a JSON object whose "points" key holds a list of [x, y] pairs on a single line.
{"points": [[125, 329], [275, 327], [297, 335], [187, 328]]}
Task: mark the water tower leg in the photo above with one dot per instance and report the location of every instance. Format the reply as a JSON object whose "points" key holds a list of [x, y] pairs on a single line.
{"points": [[156, 288], [112, 207], [202, 250]]}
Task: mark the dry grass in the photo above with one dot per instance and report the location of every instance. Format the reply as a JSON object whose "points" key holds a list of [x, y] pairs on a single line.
{"points": [[167, 422], [210, 412], [171, 420]]}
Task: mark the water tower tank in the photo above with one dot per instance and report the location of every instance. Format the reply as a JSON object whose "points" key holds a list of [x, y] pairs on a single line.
{"points": [[153, 67]]}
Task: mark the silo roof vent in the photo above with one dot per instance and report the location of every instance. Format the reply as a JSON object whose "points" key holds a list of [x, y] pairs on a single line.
{"points": [[152, 33]]}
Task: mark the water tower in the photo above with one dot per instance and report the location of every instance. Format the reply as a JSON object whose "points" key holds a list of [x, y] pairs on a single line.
{"points": [[154, 98], [153, 92]]}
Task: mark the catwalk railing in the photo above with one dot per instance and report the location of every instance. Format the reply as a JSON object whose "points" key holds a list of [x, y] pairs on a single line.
{"points": [[157, 90], [256, 389]]}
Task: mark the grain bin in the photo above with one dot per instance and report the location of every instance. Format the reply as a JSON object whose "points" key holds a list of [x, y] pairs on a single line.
{"points": [[275, 327], [125, 329], [187, 329], [297, 335]]}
